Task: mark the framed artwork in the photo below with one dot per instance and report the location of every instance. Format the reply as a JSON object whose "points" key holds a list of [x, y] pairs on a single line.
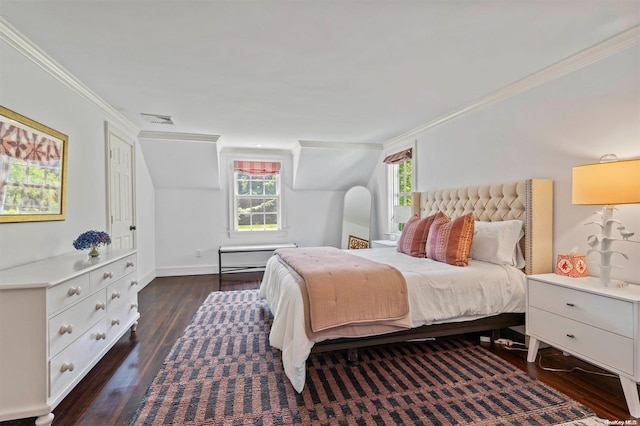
{"points": [[33, 161], [357, 243]]}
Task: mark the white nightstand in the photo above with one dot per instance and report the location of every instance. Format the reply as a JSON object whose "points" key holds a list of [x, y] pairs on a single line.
{"points": [[598, 324], [384, 243]]}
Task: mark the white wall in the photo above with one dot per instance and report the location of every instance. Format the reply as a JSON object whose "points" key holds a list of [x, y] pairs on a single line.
{"points": [[191, 219], [543, 133], [29, 90]]}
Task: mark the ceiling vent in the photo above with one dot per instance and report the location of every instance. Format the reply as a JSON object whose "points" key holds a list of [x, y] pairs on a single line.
{"points": [[157, 118]]}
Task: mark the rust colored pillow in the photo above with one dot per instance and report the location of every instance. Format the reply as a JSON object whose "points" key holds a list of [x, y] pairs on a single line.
{"points": [[414, 236], [450, 241]]}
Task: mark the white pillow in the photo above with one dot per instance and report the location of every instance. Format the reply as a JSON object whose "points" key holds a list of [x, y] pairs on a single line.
{"points": [[497, 242]]}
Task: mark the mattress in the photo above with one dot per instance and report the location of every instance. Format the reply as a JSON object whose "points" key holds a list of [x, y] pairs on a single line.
{"points": [[438, 293]]}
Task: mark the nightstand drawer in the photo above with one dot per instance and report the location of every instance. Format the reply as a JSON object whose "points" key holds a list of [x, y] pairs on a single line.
{"points": [[609, 350], [598, 311]]}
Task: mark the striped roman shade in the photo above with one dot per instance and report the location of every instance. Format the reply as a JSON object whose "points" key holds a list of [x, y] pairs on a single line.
{"points": [[257, 168], [399, 157]]}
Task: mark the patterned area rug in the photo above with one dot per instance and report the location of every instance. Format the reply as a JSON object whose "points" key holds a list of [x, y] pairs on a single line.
{"points": [[222, 371]]}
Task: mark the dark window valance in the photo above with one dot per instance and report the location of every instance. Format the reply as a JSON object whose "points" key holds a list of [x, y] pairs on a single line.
{"points": [[398, 157]]}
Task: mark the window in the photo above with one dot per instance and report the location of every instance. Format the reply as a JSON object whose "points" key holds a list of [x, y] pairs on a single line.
{"points": [[257, 196], [400, 172]]}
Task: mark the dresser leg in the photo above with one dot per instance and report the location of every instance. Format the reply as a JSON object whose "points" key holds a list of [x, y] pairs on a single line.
{"points": [[630, 389], [534, 344], [134, 327], [45, 420]]}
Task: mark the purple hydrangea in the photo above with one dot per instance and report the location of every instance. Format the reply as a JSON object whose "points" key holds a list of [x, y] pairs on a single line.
{"points": [[89, 239]]}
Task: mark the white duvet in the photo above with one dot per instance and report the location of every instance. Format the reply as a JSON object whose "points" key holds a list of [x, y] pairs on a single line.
{"points": [[438, 293]]}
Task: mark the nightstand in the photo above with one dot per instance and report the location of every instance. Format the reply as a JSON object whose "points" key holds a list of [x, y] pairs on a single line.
{"points": [[384, 243], [598, 324]]}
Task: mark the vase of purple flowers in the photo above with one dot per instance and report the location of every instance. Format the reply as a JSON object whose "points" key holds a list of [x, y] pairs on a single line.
{"points": [[92, 240]]}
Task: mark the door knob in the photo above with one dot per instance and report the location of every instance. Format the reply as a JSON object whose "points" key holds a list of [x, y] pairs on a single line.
{"points": [[132, 228]]}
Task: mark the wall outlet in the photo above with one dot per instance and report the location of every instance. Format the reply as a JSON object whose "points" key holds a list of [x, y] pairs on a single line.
{"points": [[198, 252]]}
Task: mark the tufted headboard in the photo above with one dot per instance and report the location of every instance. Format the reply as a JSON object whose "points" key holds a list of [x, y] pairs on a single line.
{"points": [[530, 201]]}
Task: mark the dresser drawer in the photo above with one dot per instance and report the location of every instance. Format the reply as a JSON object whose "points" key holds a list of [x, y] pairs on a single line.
{"points": [[65, 327], [609, 350], [599, 311], [111, 273], [71, 362], [122, 292], [66, 293]]}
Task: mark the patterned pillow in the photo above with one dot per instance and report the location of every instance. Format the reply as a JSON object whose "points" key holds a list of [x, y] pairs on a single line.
{"points": [[414, 236], [450, 240]]}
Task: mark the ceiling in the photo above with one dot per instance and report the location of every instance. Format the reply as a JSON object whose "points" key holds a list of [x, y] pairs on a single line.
{"points": [[276, 72]]}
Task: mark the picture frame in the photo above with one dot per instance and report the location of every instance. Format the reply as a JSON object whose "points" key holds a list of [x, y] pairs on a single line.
{"points": [[357, 243], [33, 166]]}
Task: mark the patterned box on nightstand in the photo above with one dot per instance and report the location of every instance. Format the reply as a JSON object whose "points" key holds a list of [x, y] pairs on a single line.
{"points": [[571, 265]]}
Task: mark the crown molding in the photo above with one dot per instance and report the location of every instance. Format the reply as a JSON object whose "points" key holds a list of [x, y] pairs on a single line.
{"points": [[340, 145], [565, 66], [27, 48], [177, 136]]}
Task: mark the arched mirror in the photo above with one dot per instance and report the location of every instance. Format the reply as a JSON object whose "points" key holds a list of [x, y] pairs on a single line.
{"points": [[356, 218]]}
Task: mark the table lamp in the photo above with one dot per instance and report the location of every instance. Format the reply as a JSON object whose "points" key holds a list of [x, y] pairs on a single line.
{"points": [[607, 183]]}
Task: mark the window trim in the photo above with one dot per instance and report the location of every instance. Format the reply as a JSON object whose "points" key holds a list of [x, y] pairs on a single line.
{"points": [[233, 230], [392, 176]]}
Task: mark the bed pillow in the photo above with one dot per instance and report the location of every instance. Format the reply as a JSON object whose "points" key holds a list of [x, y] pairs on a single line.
{"points": [[498, 242], [414, 236], [450, 241]]}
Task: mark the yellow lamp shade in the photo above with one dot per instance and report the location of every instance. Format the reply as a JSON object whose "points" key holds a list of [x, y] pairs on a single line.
{"points": [[612, 182]]}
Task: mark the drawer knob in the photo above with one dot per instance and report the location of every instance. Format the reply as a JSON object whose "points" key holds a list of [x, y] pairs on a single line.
{"points": [[101, 336], [74, 290], [66, 329], [134, 282], [571, 336], [67, 366], [107, 275], [100, 306], [115, 321], [115, 295], [130, 264], [570, 304], [134, 306]]}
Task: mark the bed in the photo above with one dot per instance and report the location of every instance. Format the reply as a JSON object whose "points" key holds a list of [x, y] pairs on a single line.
{"points": [[443, 299]]}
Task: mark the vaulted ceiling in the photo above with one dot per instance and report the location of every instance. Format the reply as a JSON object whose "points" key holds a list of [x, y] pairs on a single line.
{"points": [[273, 73]]}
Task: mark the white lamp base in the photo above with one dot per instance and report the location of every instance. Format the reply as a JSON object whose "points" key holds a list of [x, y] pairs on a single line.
{"points": [[602, 244]]}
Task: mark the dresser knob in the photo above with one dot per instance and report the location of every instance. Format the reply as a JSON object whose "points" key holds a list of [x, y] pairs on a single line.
{"points": [[571, 336], [101, 336], [115, 321], [100, 306], [67, 366], [115, 295], [130, 264], [66, 329], [571, 304], [134, 282], [74, 290], [107, 275]]}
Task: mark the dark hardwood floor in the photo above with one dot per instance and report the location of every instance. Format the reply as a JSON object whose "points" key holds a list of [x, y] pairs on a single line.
{"points": [[111, 392]]}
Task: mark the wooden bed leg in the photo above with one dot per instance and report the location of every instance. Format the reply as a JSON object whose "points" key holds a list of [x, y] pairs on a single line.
{"points": [[495, 335], [352, 354]]}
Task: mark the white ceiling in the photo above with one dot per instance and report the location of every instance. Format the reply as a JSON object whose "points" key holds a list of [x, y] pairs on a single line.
{"points": [[275, 72], [278, 73]]}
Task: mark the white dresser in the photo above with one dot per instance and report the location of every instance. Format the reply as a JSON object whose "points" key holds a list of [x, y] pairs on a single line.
{"points": [[58, 317], [598, 324]]}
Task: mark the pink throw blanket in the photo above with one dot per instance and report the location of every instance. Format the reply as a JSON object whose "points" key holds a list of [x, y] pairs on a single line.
{"points": [[343, 289]]}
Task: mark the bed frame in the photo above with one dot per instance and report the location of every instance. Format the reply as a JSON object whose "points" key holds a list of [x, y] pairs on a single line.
{"points": [[529, 200]]}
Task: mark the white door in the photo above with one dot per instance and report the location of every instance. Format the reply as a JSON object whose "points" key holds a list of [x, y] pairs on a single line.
{"points": [[121, 197]]}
